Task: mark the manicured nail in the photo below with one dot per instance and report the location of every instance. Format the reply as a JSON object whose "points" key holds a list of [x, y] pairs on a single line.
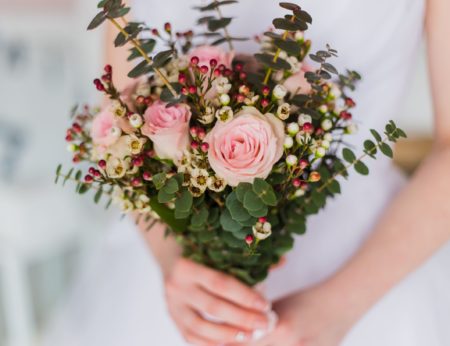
{"points": [[242, 336]]}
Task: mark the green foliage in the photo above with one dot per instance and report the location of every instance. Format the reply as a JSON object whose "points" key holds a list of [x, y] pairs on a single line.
{"points": [[348, 155], [268, 61], [265, 192]]}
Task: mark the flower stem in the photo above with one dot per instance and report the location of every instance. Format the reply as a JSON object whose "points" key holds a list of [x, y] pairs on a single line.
{"points": [[225, 30], [137, 45]]}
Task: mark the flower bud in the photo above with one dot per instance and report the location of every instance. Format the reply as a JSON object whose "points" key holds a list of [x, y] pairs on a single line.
{"points": [[135, 120], [328, 137], [291, 160], [284, 111], [323, 109], [351, 129], [320, 152], [304, 118], [303, 163], [326, 124], [249, 239], [314, 177], [288, 142], [224, 99], [279, 92], [293, 129], [325, 144]]}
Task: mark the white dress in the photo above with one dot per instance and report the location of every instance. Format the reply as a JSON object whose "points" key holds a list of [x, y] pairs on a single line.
{"points": [[120, 300]]}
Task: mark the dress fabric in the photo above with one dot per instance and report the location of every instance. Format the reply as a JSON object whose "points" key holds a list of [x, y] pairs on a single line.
{"points": [[120, 299]]}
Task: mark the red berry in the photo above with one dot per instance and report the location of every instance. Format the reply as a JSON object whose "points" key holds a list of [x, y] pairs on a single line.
{"points": [[319, 131], [227, 72], [97, 81], [213, 63], [147, 176], [249, 239], [265, 103], [138, 161], [100, 87], [108, 69], [69, 138], [349, 102], [76, 159], [192, 89], [76, 127], [217, 73], [184, 91], [221, 67], [88, 178], [262, 220], [204, 69], [201, 133], [308, 128], [91, 170], [303, 163], [345, 115], [136, 181], [240, 98], [193, 130], [155, 32], [97, 174], [238, 67], [204, 147], [182, 78], [195, 60], [107, 78], [266, 90], [194, 145], [296, 182], [242, 75], [102, 164]]}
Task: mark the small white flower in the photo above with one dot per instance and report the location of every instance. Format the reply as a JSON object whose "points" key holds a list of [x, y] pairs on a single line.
{"points": [[303, 119], [283, 111], [288, 142], [135, 144], [224, 99], [261, 231], [116, 168], [328, 137], [208, 117], [295, 65], [216, 184], [225, 114], [72, 147], [279, 92], [291, 160], [117, 108], [251, 99], [127, 206], [351, 129], [299, 36], [320, 152], [293, 129], [136, 120], [302, 138], [283, 55], [326, 124], [222, 85], [144, 198], [199, 178], [299, 193]]}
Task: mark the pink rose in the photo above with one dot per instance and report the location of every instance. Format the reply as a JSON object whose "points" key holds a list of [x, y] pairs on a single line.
{"points": [[246, 147], [297, 83], [168, 128], [104, 130], [207, 53]]}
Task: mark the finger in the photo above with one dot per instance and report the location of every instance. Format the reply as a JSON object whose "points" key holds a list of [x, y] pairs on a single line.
{"points": [[280, 264], [193, 324], [227, 287], [195, 340], [231, 314]]}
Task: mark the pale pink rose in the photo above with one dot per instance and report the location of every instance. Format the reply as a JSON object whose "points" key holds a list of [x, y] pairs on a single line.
{"points": [[246, 147], [297, 83], [207, 53], [168, 128], [104, 130]]}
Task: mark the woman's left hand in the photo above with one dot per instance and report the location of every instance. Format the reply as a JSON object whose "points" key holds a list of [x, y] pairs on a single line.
{"points": [[307, 319]]}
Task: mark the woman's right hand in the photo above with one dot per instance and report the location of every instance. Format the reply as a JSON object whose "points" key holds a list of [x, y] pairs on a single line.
{"points": [[193, 291]]}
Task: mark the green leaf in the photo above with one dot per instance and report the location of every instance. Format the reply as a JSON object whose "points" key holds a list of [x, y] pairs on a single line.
{"points": [[97, 21], [171, 186], [68, 175], [284, 24], [164, 196], [216, 24], [348, 155], [334, 187], [370, 147], [259, 213], [159, 180], [98, 195], [184, 201], [361, 168], [214, 5], [162, 58], [267, 60], [58, 171], [386, 150], [140, 69], [120, 12], [237, 211], [290, 6], [330, 68], [252, 201], [83, 188], [376, 135], [168, 216], [147, 46], [303, 15], [290, 46], [319, 198], [227, 222], [181, 214], [199, 217], [265, 191], [241, 190]]}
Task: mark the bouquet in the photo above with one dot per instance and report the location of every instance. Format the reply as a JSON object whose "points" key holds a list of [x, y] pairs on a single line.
{"points": [[231, 154]]}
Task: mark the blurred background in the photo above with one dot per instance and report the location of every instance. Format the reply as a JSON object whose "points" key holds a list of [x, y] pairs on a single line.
{"points": [[47, 61]]}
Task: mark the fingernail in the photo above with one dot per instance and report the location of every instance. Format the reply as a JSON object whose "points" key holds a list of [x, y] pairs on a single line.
{"points": [[242, 336]]}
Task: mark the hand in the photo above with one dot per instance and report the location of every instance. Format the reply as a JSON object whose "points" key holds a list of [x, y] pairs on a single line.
{"points": [[193, 290], [306, 319]]}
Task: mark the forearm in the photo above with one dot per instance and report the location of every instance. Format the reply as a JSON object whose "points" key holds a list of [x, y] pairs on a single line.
{"points": [[414, 226], [164, 248]]}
